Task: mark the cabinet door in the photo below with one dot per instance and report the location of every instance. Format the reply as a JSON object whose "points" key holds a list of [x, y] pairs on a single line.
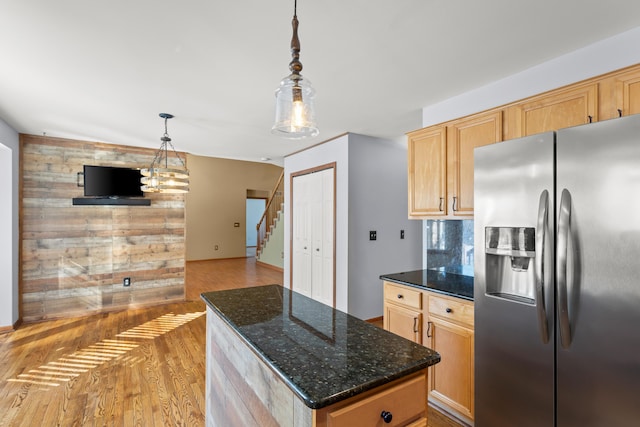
{"points": [[427, 169], [451, 380], [301, 235], [462, 137], [403, 321], [559, 110], [322, 208], [631, 96], [628, 93]]}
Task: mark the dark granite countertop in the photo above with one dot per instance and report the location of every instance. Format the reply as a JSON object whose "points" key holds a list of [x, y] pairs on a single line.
{"points": [[453, 281], [322, 354]]}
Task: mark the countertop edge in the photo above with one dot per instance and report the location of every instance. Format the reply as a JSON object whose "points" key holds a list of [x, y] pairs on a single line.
{"points": [[425, 288], [374, 384], [390, 277]]}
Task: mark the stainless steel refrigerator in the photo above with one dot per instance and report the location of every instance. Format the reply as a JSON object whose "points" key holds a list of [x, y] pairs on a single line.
{"points": [[557, 278]]}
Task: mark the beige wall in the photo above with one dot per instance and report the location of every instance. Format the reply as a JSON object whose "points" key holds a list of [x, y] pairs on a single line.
{"points": [[216, 200]]}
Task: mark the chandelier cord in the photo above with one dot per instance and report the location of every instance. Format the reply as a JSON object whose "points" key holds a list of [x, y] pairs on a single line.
{"points": [[163, 151], [177, 155]]}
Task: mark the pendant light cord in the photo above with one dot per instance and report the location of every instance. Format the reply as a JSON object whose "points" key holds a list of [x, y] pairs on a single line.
{"points": [[295, 65]]}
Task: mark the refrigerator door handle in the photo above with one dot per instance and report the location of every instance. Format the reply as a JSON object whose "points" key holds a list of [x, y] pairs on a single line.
{"points": [[564, 225], [541, 273]]}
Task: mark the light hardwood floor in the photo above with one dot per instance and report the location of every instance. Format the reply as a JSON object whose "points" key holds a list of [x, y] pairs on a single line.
{"points": [[140, 367]]}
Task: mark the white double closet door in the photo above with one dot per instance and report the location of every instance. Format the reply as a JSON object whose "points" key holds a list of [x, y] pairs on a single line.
{"points": [[313, 234]]}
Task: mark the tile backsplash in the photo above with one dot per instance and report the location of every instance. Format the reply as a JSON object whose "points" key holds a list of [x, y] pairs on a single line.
{"points": [[449, 243]]}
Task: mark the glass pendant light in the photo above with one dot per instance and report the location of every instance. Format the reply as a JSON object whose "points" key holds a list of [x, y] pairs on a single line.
{"points": [[295, 113], [159, 177]]}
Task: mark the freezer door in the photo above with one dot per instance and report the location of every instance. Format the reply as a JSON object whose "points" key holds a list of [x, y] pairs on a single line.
{"points": [[513, 284], [598, 281]]}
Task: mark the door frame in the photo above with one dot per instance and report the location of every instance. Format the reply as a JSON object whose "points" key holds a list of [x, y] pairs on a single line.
{"points": [[253, 227]]}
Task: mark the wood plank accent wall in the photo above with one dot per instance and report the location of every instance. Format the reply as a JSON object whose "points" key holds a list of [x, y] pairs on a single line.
{"points": [[74, 258]]}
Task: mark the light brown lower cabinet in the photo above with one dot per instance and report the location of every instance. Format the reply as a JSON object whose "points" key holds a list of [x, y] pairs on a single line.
{"points": [[404, 403], [447, 327], [404, 322], [451, 382], [403, 312]]}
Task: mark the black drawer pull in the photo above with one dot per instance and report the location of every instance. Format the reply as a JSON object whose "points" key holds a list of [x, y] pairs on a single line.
{"points": [[448, 310], [386, 416], [400, 296]]}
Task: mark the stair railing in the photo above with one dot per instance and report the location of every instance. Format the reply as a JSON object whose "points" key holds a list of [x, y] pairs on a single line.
{"points": [[274, 204]]}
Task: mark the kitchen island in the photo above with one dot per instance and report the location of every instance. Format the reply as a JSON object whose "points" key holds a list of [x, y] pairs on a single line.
{"points": [[277, 358]]}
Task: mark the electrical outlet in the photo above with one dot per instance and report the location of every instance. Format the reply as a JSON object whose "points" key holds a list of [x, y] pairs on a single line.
{"points": [[373, 235], [402, 234], [126, 281]]}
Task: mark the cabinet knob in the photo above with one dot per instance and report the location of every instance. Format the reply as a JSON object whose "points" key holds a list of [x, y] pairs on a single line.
{"points": [[448, 310], [386, 416], [317, 249], [400, 296]]}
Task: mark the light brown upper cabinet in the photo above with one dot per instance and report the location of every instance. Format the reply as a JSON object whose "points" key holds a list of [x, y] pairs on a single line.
{"points": [[620, 94], [427, 166], [441, 165], [441, 156], [557, 110]]}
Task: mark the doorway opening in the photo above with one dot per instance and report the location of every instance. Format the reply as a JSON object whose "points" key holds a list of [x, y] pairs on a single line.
{"points": [[254, 210]]}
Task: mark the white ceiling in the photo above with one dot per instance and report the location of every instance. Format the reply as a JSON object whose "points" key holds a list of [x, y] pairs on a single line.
{"points": [[102, 71]]}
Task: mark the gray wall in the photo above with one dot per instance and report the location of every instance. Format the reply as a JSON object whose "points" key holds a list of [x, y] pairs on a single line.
{"points": [[371, 194], [9, 180], [378, 201]]}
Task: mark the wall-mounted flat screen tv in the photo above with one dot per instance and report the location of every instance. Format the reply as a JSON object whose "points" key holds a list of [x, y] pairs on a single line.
{"points": [[110, 181]]}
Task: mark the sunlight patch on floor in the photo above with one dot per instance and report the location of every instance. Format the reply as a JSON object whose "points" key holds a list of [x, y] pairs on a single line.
{"points": [[69, 366]]}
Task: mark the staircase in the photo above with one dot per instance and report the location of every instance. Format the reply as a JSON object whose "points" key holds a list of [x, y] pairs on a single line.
{"points": [[270, 242]]}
